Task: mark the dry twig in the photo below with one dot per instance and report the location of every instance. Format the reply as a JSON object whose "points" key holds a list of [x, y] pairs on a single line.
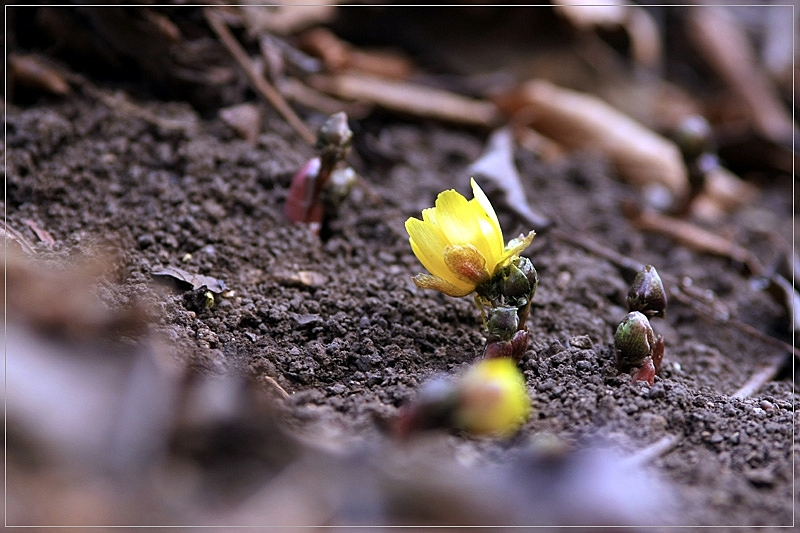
{"points": [[410, 98], [761, 377], [259, 83]]}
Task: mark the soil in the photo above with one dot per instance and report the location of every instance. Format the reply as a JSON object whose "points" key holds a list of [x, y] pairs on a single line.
{"points": [[337, 323]]}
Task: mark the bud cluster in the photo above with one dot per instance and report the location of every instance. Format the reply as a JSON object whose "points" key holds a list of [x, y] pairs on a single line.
{"points": [[508, 296], [638, 349]]}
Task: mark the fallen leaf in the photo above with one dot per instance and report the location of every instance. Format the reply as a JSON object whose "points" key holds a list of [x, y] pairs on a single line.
{"points": [[497, 166], [581, 121], [338, 55], [215, 285], [32, 71], [724, 45], [245, 119]]}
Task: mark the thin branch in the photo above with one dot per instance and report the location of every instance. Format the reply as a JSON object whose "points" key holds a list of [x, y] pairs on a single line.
{"points": [[661, 447], [256, 80], [761, 377]]}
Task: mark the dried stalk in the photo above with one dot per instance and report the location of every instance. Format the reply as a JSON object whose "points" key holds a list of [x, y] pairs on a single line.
{"points": [[256, 80], [761, 377], [410, 98]]}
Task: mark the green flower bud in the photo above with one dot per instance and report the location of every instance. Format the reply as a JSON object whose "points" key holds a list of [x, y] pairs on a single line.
{"points": [[515, 283], [634, 340], [502, 322], [647, 293]]}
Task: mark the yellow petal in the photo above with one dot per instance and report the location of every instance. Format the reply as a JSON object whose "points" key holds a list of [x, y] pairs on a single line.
{"points": [[424, 281], [496, 239], [456, 218], [428, 243], [490, 240]]}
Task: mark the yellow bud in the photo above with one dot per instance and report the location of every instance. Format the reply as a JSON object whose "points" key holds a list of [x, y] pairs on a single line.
{"points": [[493, 398]]}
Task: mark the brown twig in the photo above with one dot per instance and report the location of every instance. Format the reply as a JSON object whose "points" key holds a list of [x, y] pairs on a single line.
{"points": [[257, 81], [761, 377], [649, 453], [697, 238], [741, 326], [410, 98]]}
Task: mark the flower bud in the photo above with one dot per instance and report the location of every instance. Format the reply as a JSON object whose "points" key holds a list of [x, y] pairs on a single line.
{"points": [[493, 399], [502, 323], [520, 280], [515, 283], [695, 136], [334, 136], [647, 293], [634, 340]]}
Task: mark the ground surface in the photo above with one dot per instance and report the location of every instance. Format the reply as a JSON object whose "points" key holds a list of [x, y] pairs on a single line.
{"points": [[354, 344], [353, 338]]}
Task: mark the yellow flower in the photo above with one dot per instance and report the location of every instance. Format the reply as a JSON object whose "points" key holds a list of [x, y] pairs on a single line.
{"points": [[493, 398], [460, 243]]}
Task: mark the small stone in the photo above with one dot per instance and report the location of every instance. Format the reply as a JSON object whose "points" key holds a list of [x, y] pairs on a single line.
{"points": [[582, 342], [145, 241]]}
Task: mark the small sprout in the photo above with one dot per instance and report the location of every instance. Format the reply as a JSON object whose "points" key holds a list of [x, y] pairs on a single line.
{"points": [[639, 351], [334, 137], [303, 203], [208, 300], [490, 398], [647, 293]]}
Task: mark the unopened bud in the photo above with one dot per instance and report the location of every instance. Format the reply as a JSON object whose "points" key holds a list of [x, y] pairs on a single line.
{"points": [[634, 340], [647, 293], [334, 136], [502, 322]]}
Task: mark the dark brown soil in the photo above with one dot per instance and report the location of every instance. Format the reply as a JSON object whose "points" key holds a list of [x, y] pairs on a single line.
{"points": [[338, 324]]}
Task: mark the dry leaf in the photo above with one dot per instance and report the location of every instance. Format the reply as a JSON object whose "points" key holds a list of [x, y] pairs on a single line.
{"points": [[581, 121], [245, 119], [723, 43], [638, 23], [33, 72], [215, 285], [497, 165], [337, 55], [723, 192], [285, 19]]}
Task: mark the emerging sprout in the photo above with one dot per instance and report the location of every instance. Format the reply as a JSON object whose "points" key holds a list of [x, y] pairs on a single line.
{"points": [[647, 293], [638, 349], [304, 202], [490, 398], [634, 340]]}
